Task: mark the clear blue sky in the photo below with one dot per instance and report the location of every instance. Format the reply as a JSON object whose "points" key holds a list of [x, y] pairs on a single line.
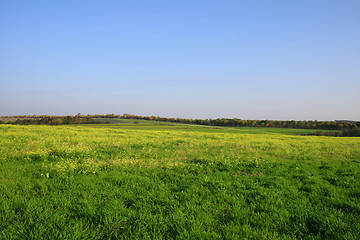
{"points": [[194, 59]]}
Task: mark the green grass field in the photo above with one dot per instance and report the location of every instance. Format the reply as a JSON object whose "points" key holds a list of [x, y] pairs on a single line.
{"points": [[153, 180]]}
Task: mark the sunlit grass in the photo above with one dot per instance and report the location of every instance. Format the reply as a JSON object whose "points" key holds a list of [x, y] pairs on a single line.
{"points": [[180, 181]]}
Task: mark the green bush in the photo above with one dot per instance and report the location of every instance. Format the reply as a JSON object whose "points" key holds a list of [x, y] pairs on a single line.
{"points": [[350, 133]]}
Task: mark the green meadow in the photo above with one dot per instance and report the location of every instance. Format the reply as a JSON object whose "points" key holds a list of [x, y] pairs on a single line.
{"points": [[154, 180]]}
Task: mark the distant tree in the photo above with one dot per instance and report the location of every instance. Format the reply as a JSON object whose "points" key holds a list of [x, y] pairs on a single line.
{"points": [[56, 121]]}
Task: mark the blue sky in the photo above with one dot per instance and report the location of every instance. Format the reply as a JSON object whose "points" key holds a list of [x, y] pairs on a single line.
{"points": [[194, 59]]}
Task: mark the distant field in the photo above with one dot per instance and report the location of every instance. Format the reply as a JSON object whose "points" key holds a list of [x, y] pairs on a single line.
{"points": [[139, 179], [157, 125], [135, 122]]}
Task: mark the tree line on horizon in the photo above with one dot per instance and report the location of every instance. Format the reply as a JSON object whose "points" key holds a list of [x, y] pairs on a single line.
{"points": [[235, 122], [51, 120], [226, 122]]}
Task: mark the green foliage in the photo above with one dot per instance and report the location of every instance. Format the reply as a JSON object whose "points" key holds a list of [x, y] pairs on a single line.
{"points": [[343, 133], [350, 133], [142, 181]]}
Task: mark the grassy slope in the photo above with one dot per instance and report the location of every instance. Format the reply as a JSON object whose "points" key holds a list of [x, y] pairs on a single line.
{"points": [[140, 180]]}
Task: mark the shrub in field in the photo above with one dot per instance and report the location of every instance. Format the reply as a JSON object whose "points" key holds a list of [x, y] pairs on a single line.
{"points": [[343, 133], [350, 133]]}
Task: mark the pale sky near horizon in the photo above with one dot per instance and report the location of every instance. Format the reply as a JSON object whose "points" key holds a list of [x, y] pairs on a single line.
{"points": [[194, 59]]}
